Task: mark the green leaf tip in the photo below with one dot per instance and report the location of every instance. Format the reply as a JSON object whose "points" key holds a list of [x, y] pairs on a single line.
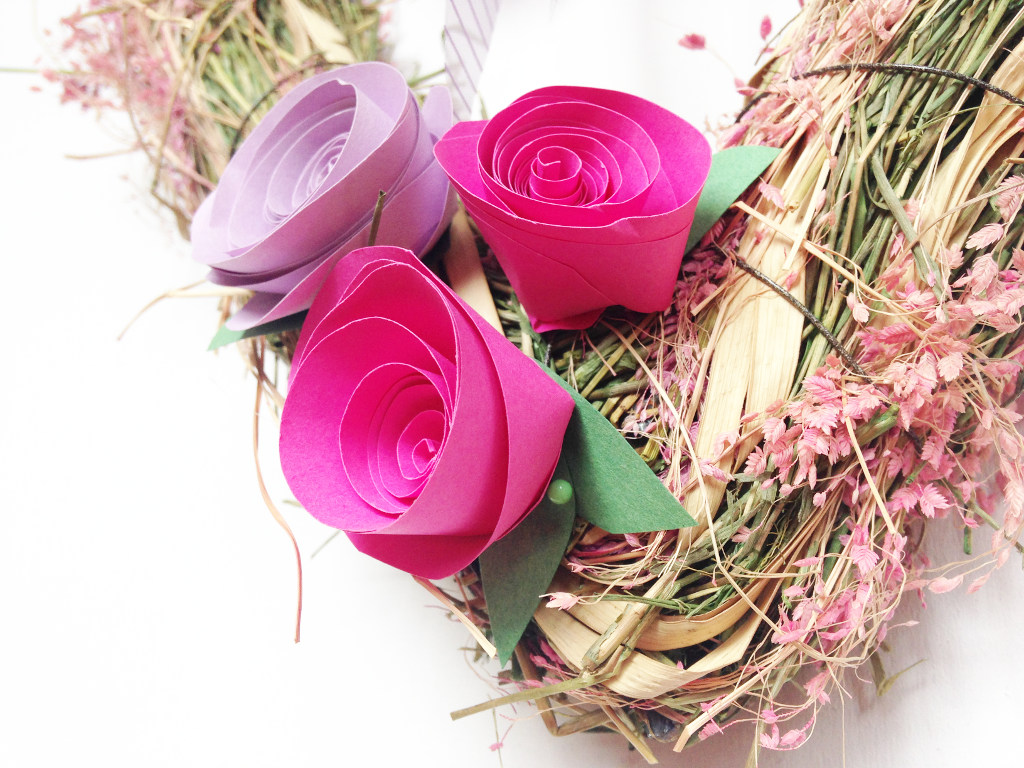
{"points": [[732, 171], [225, 336]]}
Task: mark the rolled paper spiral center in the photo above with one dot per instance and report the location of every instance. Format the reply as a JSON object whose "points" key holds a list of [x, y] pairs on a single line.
{"points": [[320, 168], [423, 454], [555, 173], [308, 153], [394, 426], [419, 443]]}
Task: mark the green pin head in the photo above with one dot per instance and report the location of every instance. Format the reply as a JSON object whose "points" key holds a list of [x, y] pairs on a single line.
{"points": [[560, 491]]}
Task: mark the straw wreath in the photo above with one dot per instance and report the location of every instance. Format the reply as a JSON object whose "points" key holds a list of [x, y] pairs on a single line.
{"points": [[841, 364]]}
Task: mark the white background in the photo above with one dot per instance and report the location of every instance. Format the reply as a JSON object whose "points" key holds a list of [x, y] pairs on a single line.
{"points": [[146, 596]]}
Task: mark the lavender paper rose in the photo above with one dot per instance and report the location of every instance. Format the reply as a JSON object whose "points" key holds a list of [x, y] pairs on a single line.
{"points": [[300, 192]]}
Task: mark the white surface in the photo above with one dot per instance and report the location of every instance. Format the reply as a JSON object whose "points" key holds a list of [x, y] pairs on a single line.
{"points": [[147, 597]]}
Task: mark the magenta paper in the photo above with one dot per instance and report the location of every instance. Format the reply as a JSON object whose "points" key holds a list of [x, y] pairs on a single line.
{"points": [[300, 192], [586, 197], [410, 423]]}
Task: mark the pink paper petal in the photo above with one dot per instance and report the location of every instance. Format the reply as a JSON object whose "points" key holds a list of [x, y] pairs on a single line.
{"points": [[586, 197], [439, 435]]}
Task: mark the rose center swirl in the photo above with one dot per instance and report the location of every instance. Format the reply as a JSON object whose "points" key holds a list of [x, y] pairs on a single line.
{"points": [[555, 174], [392, 430], [306, 156]]}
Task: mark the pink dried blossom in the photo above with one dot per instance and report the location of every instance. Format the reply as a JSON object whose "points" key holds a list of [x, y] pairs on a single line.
{"points": [[927, 497], [790, 630], [772, 194], [693, 42], [757, 462], [741, 535], [1009, 194], [978, 583], [858, 308], [949, 367], [710, 729], [815, 687], [807, 562], [943, 584], [990, 233], [792, 738], [864, 557], [1017, 261], [563, 601], [774, 428]]}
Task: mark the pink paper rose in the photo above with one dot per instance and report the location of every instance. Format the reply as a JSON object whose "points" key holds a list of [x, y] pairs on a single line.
{"points": [[300, 192], [586, 197], [409, 422]]}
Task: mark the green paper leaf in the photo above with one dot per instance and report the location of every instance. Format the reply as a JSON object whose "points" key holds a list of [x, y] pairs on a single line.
{"points": [[224, 336], [518, 568], [732, 171], [615, 489]]}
